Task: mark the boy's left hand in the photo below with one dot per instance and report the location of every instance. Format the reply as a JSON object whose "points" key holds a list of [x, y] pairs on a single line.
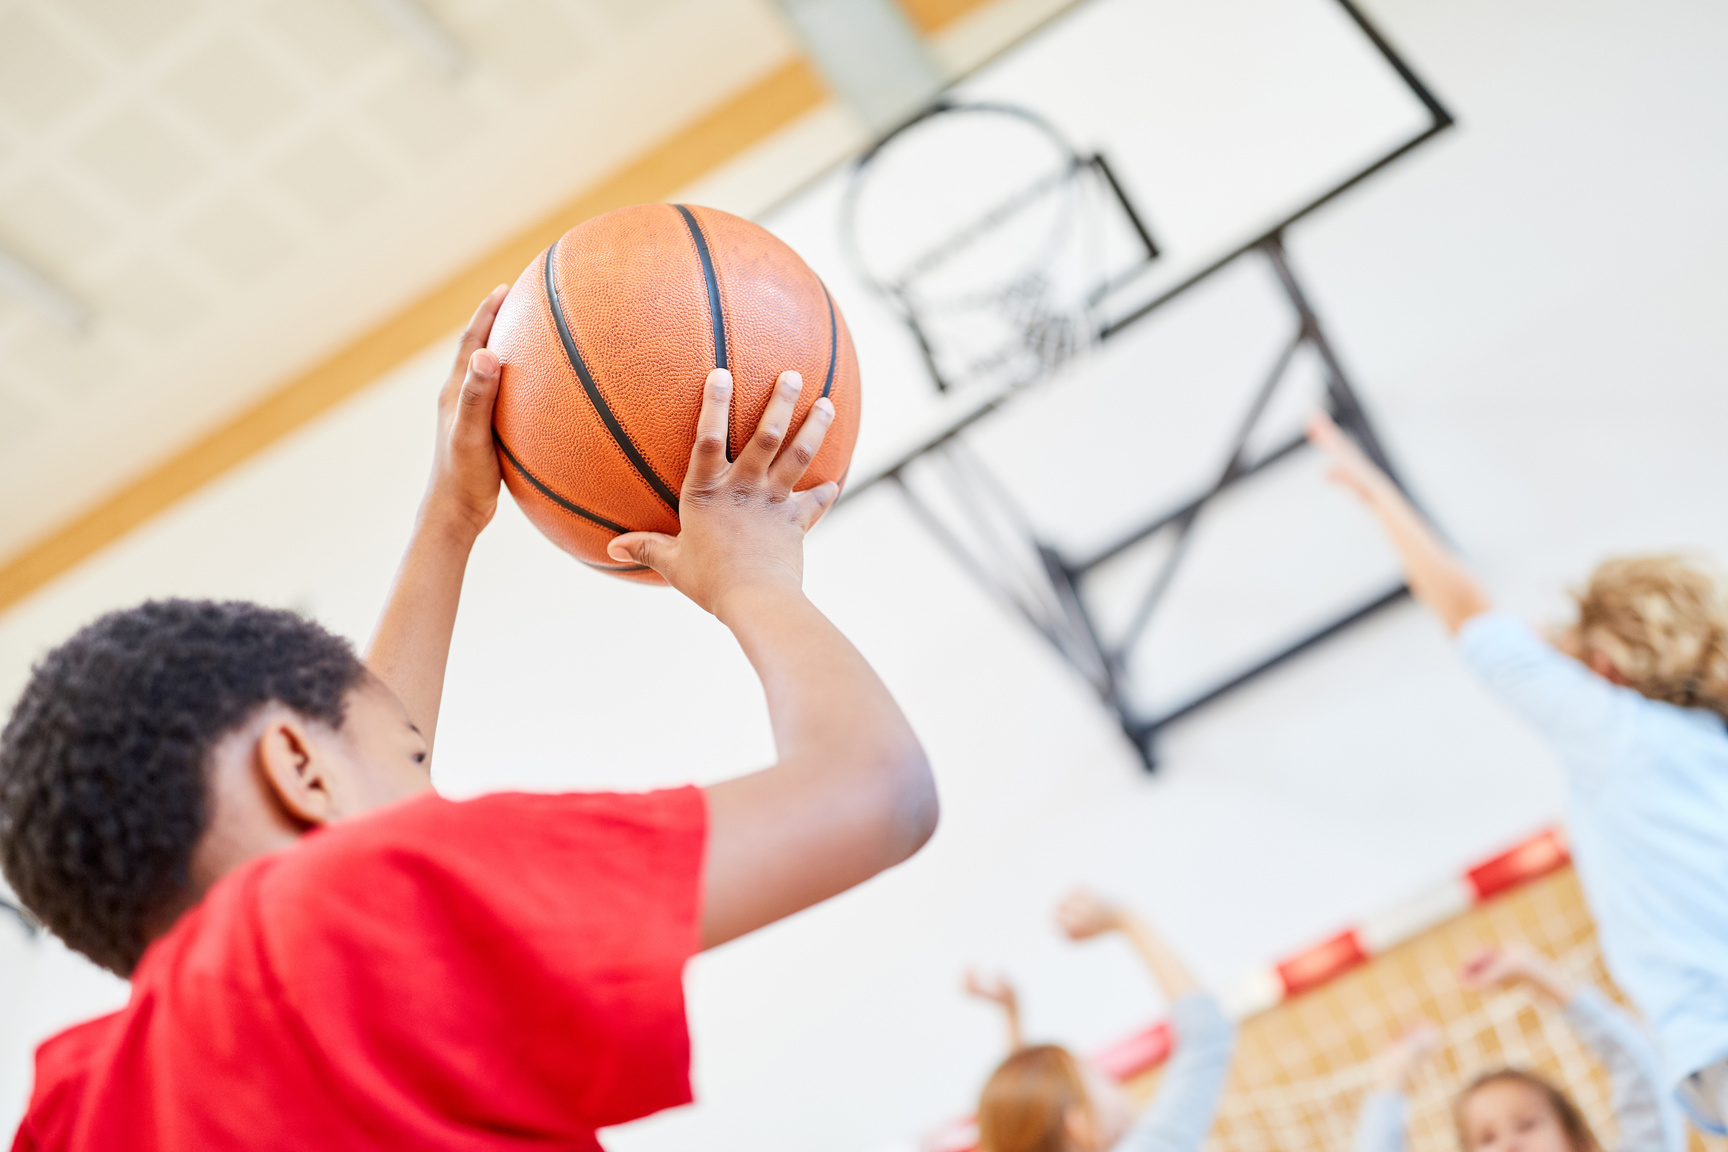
{"points": [[463, 489]]}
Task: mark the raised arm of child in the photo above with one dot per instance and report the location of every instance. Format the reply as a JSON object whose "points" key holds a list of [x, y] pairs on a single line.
{"points": [[1644, 1112], [998, 991], [411, 643], [1571, 702], [1380, 1124], [1181, 1115], [1437, 578], [851, 793]]}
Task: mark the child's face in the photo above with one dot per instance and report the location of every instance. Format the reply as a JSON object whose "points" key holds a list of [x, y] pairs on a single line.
{"points": [[1507, 1116], [379, 756]]}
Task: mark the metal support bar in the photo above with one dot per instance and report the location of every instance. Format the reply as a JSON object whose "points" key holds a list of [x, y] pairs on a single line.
{"points": [[1355, 616], [1164, 519], [1050, 595], [1226, 476]]}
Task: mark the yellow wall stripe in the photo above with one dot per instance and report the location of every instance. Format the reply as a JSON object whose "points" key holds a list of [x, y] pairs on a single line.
{"points": [[722, 133], [930, 16]]}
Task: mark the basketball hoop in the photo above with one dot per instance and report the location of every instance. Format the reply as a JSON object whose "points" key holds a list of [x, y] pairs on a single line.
{"points": [[991, 237]]}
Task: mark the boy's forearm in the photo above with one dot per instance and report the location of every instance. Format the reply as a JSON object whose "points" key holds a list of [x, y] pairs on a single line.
{"points": [[824, 699], [411, 644], [1437, 578], [851, 793]]}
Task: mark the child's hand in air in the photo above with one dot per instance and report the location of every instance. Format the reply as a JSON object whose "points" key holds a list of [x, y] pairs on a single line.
{"points": [[995, 989], [1347, 465], [463, 489], [1515, 964], [1084, 914], [1398, 1063], [741, 526]]}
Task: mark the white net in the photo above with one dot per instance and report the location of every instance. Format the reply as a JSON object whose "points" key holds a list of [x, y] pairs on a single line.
{"points": [[1303, 1068], [992, 238]]}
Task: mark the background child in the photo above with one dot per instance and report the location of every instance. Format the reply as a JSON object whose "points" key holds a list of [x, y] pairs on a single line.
{"points": [[221, 802], [1044, 1099], [1633, 701], [1515, 1110]]}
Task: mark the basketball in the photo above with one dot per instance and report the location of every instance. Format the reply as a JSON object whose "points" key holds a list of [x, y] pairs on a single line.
{"points": [[605, 343]]}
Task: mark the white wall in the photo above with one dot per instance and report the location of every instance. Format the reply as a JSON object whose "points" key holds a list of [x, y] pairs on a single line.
{"points": [[1532, 306]]}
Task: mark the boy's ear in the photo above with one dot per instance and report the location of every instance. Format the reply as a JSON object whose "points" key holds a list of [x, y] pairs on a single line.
{"points": [[295, 771]]}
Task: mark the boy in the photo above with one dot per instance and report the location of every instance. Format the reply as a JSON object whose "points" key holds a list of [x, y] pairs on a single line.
{"points": [[1633, 701], [220, 802]]}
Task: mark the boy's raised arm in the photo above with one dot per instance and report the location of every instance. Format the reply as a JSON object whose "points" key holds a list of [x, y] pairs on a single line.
{"points": [[1436, 577], [411, 643], [851, 793]]}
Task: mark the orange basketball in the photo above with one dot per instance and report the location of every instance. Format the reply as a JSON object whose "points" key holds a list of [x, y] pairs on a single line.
{"points": [[606, 341]]}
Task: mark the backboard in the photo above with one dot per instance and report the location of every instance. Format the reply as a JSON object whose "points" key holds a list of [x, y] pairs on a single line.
{"points": [[1120, 497]]}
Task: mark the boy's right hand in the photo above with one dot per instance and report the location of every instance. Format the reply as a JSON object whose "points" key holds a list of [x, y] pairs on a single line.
{"points": [[741, 525], [463, 488], [1084, 914]]}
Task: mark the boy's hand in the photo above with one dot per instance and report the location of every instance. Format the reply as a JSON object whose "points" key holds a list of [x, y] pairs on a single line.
{"points": [[741, 526], [1398, 1064], [1347, 465], [1084, 914], [1515, 964], [463, 489], [995, 989]]}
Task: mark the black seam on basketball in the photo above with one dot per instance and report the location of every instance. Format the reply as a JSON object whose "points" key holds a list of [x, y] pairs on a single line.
{"points": [[716, 316], [716, 313], [572, 354], [540, 485], [833, 341]]}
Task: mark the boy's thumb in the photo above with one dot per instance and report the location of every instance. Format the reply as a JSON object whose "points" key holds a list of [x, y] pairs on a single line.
{"points": [[638, 548]]}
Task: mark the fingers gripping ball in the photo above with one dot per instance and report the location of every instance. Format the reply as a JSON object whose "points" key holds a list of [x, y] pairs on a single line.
{"points": [[605, 343]]}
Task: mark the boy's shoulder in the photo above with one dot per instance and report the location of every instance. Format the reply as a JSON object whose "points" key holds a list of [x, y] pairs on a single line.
{"points": [[64, 1063], [383, 933], [498, 830]]}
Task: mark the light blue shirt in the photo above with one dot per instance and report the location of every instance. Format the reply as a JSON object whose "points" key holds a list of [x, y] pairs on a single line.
{"points": [[1643, 1111], [1647, 815], [1180, 1115]]}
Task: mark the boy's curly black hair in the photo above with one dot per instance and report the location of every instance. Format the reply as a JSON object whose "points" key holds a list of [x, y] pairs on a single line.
{"points": [[102, 765]]}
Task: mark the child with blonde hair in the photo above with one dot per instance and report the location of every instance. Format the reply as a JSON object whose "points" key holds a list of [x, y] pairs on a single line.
{"points": [[1632, 696], [1042, 1098]]}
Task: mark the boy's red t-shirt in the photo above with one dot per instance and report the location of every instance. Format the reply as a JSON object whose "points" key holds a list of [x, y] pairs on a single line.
{"points": [[497, 973]]}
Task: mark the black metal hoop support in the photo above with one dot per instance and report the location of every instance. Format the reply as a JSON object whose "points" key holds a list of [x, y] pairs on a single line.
{"points": [[987, 533]]}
